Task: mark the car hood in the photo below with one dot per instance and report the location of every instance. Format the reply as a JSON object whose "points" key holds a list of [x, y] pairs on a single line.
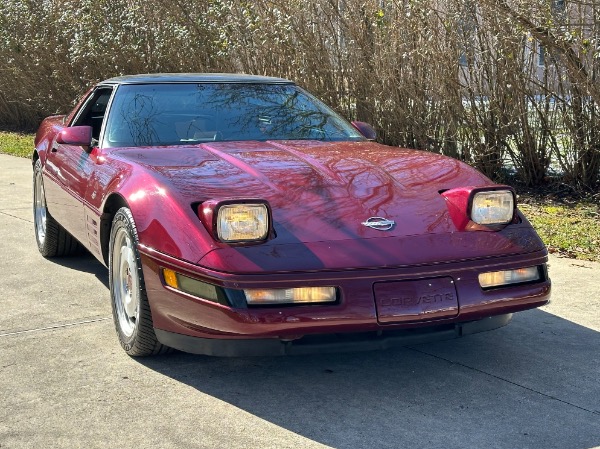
{"points": [[320, 194], [318, 191]]}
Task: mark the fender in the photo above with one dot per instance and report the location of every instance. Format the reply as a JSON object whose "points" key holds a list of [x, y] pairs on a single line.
{"points": [[45, 136], [163, 221]]}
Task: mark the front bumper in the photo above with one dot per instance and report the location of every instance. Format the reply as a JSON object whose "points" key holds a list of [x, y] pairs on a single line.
{"points": [[360, 341], [201, 326]]}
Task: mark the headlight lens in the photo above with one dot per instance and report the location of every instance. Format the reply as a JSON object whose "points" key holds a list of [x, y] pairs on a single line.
{"points": [[301, 295], [493, 207], [242, 222], [507, 277]]}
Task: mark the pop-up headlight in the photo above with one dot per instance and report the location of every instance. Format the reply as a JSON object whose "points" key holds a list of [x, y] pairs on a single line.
{"points": [[236, 221], [480, 208], [495, 207], [242, 222]]}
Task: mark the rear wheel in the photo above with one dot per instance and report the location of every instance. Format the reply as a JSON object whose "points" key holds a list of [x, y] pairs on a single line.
{"points": [[131, 311], [52, 239]]}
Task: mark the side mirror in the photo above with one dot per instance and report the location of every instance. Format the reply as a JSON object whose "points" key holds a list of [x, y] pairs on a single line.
{"points": [[76, 135], [366, 130]]}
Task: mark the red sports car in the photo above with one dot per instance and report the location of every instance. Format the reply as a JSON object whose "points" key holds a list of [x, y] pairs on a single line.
{"points": [[239, 215]]}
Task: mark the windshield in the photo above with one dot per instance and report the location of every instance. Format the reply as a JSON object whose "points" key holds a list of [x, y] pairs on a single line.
{"points": [[179, 114]]}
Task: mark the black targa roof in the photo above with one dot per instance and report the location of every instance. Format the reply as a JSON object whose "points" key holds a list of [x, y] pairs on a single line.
{"points": [[195, 78]]}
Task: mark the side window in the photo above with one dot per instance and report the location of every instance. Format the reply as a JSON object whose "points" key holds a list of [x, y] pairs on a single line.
{"points": [[93, 111]]}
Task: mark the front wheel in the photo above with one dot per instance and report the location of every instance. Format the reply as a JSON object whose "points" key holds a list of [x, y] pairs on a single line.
{"points": [[130, 308]]}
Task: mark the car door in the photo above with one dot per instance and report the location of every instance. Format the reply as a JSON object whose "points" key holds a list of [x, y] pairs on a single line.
{"points": [[68, 168]]}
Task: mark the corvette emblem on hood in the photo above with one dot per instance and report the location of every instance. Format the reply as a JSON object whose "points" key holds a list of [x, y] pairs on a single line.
{"points": [[379, 223]]}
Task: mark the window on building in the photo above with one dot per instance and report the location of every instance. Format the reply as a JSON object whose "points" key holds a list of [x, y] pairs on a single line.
{"points": [[558, 6], [541, 55]]}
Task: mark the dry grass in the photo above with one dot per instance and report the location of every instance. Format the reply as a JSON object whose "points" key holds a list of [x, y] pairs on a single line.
{"points": [[16, 144], [568, 228]]}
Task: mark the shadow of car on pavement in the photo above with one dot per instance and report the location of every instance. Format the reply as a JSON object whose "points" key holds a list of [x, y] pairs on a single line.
{"points": [[531, 384]]}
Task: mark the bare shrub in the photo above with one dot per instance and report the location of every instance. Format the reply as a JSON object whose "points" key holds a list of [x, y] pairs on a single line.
{"points": [[457, 77]]}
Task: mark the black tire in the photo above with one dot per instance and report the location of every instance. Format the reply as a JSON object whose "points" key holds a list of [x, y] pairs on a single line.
{"points": [[130, 308], [52, 239]]}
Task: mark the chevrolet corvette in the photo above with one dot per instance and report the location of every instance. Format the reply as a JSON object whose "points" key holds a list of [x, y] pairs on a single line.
{"points": [[239, 215]]}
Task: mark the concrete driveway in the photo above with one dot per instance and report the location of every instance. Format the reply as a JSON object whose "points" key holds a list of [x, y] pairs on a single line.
{"points": [[65, 382]]}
